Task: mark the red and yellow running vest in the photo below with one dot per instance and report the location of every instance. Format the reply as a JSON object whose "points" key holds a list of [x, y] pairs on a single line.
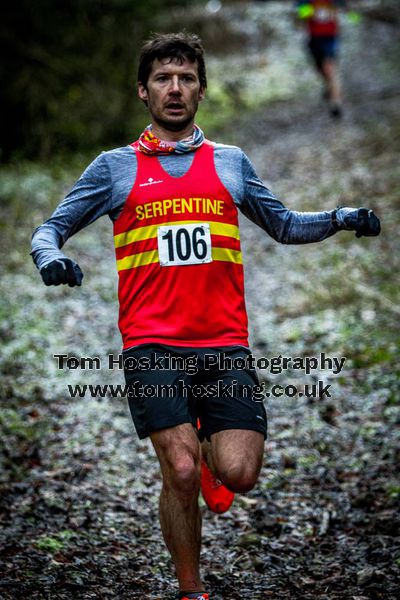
{"points": [[178, 258]]}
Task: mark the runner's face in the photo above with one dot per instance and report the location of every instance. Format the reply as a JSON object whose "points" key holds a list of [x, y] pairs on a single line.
{"points": [[172, 94]]}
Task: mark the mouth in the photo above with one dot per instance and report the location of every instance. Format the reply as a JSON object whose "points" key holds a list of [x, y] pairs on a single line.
{"points": [[174, 107]]}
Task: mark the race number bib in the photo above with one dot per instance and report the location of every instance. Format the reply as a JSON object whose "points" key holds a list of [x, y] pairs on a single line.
{"points": [[188, 244], [324, 14]]}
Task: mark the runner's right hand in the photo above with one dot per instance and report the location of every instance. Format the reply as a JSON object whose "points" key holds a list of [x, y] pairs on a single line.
{"points": [[60, 271]]}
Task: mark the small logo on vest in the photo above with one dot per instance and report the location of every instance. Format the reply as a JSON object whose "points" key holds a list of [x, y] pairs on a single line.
{"points": [[151, 181]]}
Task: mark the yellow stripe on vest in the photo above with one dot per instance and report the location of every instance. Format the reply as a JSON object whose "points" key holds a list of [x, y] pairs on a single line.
{"points": [[137, 260], [227, 255], [147, 258], [150, 231]]}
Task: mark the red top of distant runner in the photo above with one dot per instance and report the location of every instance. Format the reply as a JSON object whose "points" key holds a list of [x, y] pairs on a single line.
{"points": [[323, 21]]}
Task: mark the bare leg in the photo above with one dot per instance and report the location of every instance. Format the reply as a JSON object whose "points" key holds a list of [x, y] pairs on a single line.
{"points": [[235, 456], [178, 451], [330, 75]]}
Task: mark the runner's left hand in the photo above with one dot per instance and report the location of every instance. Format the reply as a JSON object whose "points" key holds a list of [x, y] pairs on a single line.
{"points": [[361, 220]]}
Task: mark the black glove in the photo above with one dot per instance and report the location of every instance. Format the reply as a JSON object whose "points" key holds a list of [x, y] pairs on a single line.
{"points": [[62, 270], [367, 223], [360, 220]]}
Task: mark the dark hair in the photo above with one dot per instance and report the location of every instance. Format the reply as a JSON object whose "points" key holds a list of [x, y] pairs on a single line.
{"points": [[178, 46]]}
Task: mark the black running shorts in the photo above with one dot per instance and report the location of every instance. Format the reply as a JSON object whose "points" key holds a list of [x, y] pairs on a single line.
{"points": [[170, 385], [322, 48]]}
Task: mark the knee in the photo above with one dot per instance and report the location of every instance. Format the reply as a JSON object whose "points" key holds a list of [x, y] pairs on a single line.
{"points": [[183, 475], [239, 478]]}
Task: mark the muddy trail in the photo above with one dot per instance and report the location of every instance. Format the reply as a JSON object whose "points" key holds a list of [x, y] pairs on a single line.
{"points": [[79, 490]]}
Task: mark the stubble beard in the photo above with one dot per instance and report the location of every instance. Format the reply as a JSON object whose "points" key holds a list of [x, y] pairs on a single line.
{"points": [[172, 125]]}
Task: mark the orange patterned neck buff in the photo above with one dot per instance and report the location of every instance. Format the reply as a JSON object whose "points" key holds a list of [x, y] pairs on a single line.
{"points": [[150, 144]]}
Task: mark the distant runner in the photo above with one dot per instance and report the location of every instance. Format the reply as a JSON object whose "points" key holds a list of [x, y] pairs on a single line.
{"points": [[173, 197], [321, 18]]}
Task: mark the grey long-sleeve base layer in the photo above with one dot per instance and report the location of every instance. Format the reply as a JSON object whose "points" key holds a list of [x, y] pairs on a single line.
{"points": [[105, 185]]}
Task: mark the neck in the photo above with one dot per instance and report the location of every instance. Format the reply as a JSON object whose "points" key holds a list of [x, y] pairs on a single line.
{"points": [[171, 136]]}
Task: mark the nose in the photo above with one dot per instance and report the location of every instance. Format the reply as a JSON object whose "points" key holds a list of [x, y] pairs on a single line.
{"points": [[174, 87]]}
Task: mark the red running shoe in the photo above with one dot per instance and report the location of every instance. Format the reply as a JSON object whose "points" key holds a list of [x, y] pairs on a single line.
{"points": [[217, 497]]}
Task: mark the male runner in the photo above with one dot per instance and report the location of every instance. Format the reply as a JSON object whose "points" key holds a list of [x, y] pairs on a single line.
{"points": [[173, 197], [321, 18]]}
